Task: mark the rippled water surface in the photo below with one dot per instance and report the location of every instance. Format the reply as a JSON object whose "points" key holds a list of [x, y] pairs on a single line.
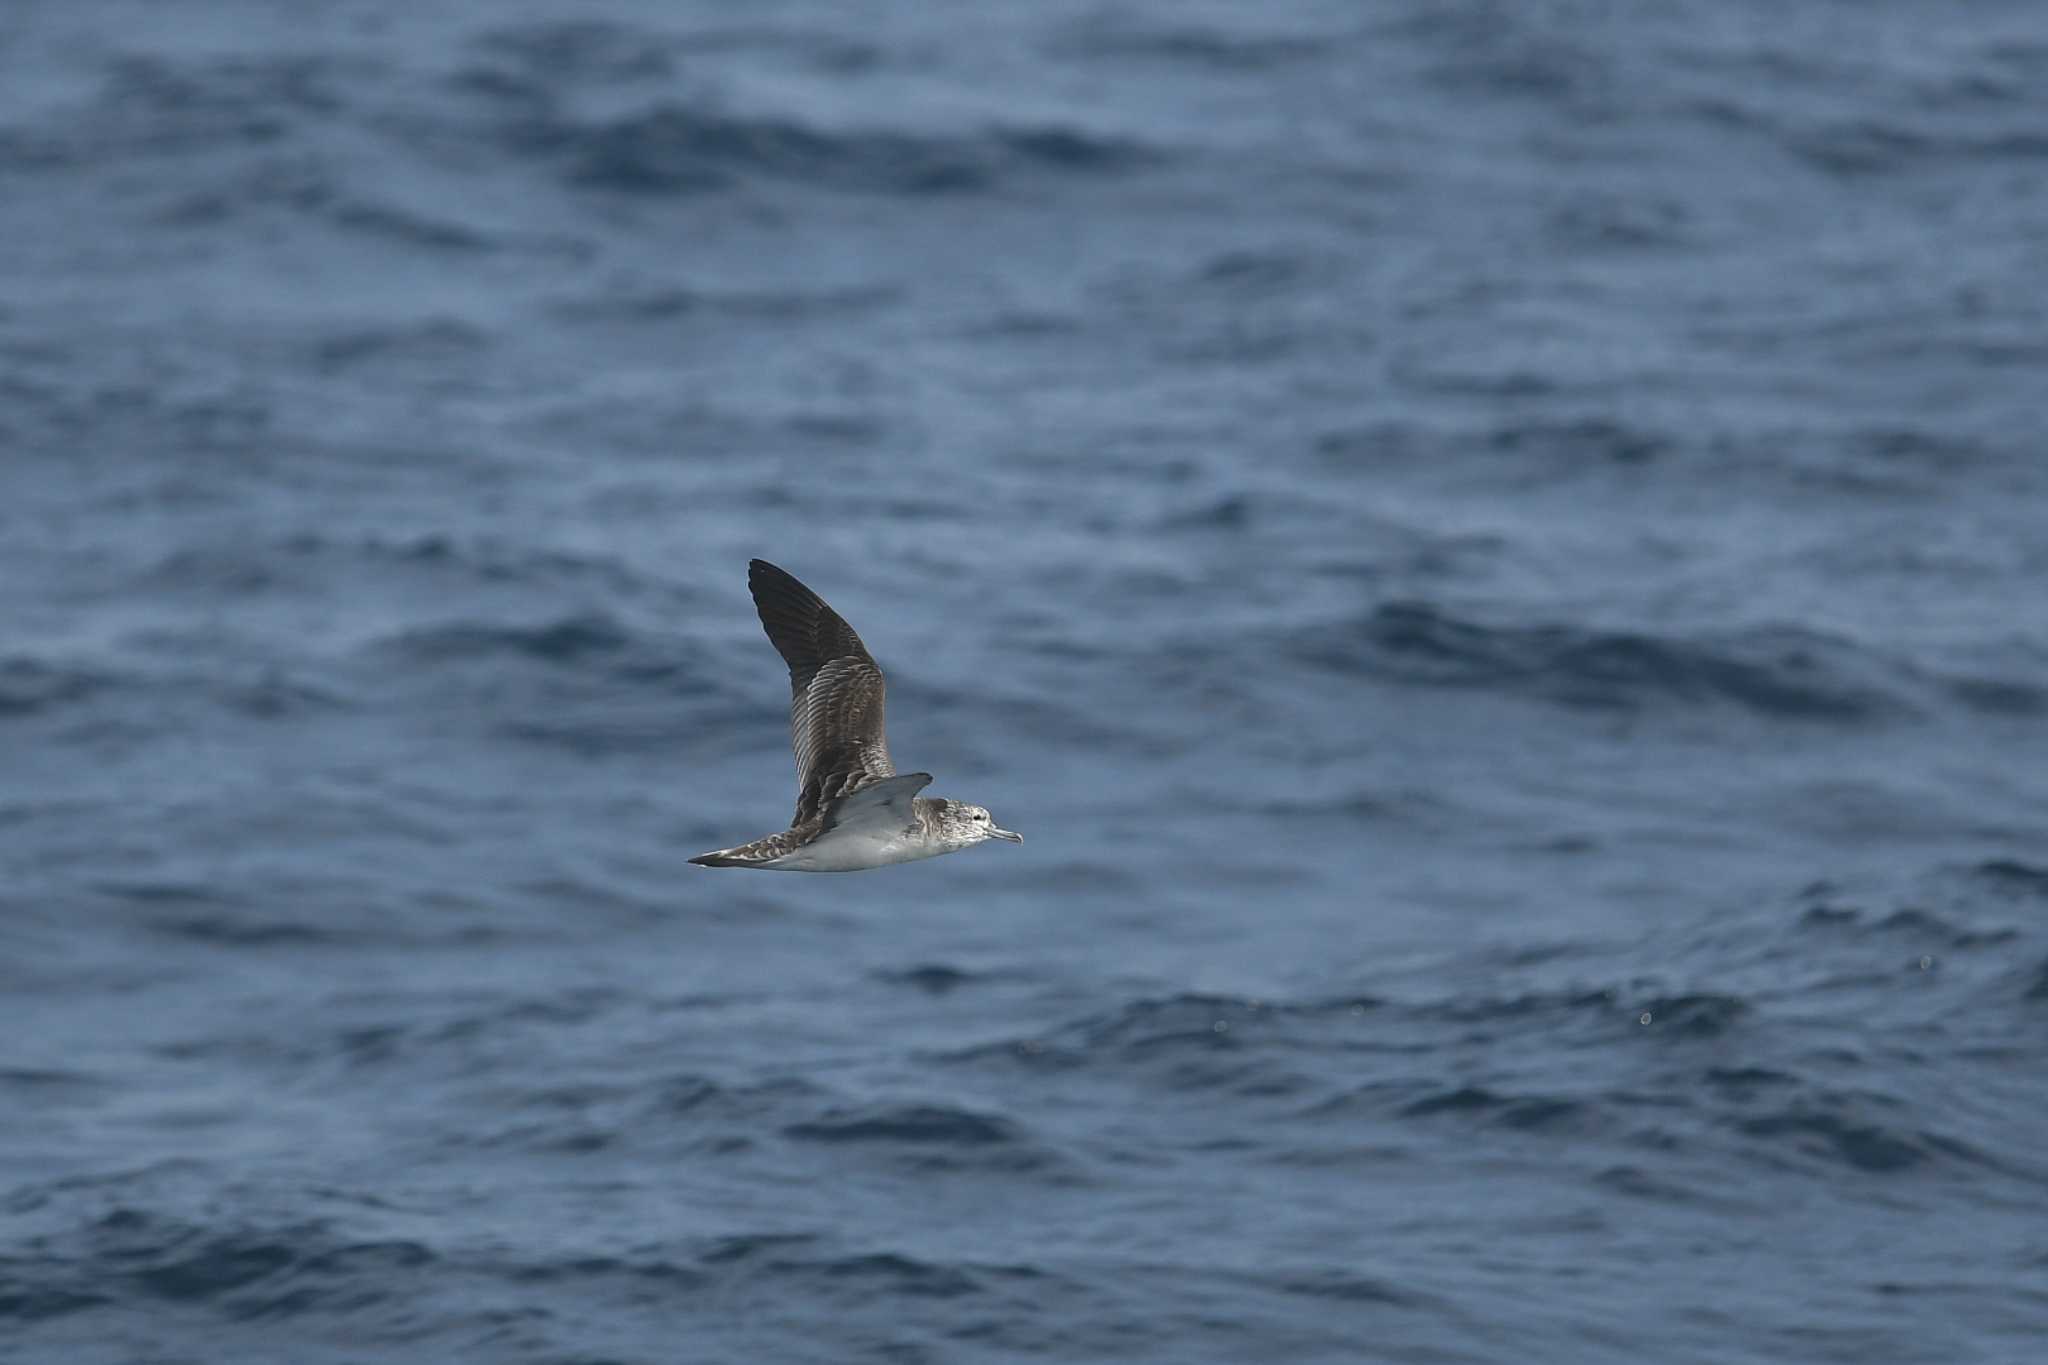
{"points": [[1493, 551]]}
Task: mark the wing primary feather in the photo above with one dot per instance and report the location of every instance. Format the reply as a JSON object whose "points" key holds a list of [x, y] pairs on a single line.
{"points": [[837, 692], [807, 633]]}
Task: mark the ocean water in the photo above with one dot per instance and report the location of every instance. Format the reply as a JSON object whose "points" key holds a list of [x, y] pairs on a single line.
{"points": [[1494, 551]]}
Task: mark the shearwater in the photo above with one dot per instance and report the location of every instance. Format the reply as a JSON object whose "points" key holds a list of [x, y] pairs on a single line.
{"points": [[852, 809]]}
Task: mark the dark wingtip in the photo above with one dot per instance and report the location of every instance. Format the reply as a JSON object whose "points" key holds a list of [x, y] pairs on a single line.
{"points": [[778, 587], [804, 630]]}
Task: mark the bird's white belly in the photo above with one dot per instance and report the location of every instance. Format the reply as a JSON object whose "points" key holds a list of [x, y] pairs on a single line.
{"points": [[849, 850]]}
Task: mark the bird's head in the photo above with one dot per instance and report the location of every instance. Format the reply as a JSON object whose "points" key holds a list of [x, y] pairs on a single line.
{"points": [[965, 824]]}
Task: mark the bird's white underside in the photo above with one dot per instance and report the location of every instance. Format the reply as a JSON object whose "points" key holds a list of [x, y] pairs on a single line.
{"points": [[874, 827], [852, 849]]}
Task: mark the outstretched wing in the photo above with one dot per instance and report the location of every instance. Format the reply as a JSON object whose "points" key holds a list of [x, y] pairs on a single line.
{"points": [[835, 692]]}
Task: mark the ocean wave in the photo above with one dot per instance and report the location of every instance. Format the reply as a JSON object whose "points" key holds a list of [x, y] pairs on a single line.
{"points": [[1842, 1132], [1347, 1286], [486, 561], [1999, 696], [1526, 1008], [932, 978], [151, 1260], [1637, 1182], [1784, 673], [790, 1260], [29, 686], [1115, 38], [885, 1271], [1862, 147], [1503, 55], [693, 1115], [666, 302], [934, 1137], [429, 342], [583, 680], [155, 107], [570, 639], [1570, 445], [572, 51], [674, 148], [698, 1098], [1292, 1051], [1912, 924], [1535, 1112], [1774, 1115], [108, 693], [1541, 1112], [1606, 223], [251, 1271], [1697, 1015], [308, 563], [319, 194], [221, 931], [1202, 1022], [2014, 876], [1746, 1082], [1188, 1041], [941, 1125], [221, 570], [27, 1302], [45, 1083]]}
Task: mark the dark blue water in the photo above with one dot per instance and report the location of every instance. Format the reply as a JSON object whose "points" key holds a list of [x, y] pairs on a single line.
{"points": [[1494, 551]]}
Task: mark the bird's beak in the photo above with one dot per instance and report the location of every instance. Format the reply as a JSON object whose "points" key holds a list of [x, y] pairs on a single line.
{"points": [[1012, 835]]}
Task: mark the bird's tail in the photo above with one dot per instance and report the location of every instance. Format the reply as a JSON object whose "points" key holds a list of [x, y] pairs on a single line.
{"points": [[760, 853], [723, 858]]}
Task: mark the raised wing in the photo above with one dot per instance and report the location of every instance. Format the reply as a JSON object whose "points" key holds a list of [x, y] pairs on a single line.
{"points": [[835, 692]]}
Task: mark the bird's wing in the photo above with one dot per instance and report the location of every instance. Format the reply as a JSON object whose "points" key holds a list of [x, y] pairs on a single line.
{"points": [[883, 806], [835, 692]]}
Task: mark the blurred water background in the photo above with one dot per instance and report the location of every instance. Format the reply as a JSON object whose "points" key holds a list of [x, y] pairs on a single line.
{"points": [[1494, 551]]}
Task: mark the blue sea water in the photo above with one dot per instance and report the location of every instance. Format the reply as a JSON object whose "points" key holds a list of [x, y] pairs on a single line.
{"points": [[1494, 551]]}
